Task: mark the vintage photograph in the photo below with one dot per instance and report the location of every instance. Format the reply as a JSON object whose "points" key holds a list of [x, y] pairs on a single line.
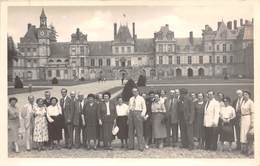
{"points": [[130, 81]]}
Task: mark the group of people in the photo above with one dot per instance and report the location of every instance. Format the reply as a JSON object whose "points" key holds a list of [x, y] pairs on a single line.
{"points": [[156, 119]]}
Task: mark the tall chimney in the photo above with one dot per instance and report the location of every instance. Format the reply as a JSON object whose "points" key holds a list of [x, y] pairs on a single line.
{"points": [[229, 25], [133, 30], [191, 37], [115, 30], [235, 24], [29, 26], [219, 23], [246, 22], [241, 22]]}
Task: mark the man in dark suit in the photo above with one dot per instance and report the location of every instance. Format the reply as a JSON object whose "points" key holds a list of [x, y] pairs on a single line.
{"points": [[107, 118], [237, 105], [78, 120], [65, 103], [186, 117], [171, 105]]}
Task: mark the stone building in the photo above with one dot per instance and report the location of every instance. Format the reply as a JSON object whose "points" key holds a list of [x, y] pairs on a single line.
{"points": [[225, 51]]}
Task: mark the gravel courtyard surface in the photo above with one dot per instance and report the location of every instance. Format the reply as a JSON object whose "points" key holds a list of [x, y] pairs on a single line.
{"points": [[117, 152]]}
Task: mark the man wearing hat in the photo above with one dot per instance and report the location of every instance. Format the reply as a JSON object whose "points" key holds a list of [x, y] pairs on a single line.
{"points": [[186, 118]]}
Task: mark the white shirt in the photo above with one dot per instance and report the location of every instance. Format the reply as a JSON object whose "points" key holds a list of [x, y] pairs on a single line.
{"points": [[211, 113], [227, 112], [108, 109], [137, 104], [54, 110], [163, 99], [122, 110]]}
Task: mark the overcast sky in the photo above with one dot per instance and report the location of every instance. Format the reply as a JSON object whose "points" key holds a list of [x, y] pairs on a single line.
{"points": [[97, 22]]}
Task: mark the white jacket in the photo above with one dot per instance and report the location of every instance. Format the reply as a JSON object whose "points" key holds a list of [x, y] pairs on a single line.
{"points": [[211, 114]]}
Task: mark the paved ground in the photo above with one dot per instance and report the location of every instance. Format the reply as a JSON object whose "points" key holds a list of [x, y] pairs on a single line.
{"points": [[152, 152], [93, 87]]}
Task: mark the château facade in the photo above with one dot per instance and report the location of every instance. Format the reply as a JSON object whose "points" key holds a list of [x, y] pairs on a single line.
{"points": [[227, 50]]}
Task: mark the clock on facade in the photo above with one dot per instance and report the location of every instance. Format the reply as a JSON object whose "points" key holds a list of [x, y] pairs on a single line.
{"points": [[42, 33]]}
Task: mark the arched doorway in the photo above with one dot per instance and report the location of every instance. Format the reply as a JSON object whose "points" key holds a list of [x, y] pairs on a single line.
{"points": [[190, 72], [201, 72], [178, 72]]}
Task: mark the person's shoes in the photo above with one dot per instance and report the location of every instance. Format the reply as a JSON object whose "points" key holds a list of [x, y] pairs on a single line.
{"points": [[28, 150]]}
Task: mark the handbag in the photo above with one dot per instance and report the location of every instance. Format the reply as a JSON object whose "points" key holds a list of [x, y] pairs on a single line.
{"points": [[115, 130]]}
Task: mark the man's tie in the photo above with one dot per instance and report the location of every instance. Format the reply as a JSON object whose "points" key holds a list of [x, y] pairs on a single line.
{"points": [[207, 105]]}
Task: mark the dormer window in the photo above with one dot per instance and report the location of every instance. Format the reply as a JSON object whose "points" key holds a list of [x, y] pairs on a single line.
{"points": [[116, 49], [123, 49]]}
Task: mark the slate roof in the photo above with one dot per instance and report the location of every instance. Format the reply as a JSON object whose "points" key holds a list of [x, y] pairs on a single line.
{"points": [[123, 34], [144, 45], [100, 48], [60, 49], [31, 35]]}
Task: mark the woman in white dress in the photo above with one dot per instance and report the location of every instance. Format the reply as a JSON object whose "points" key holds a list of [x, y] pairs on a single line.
{"points": [[122, 110], [247, 111], [40, 132]]}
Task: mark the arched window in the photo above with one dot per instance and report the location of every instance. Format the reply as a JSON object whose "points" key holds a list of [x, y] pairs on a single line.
{"points": [[190, 72], [178, 72], [201, 72], [66, 60], [51, 61], [29, 74], [58, 60]]}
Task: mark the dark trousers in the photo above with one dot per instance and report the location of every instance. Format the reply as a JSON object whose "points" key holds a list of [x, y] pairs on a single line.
{"points": [[77, 130], [186, 133], [237, 128], [68, 135], [211, 138], [172, 133], [135, 123]]}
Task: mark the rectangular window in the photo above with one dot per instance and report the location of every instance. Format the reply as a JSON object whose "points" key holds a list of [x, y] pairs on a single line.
{"points": [[139, 58], [217, 47], [210, 59], [224, 59], [82, 61], [160, 48], [210, 48], [129, 63], [28, 49], [231, 59], [34, 49], [81, 50], [57, 73], [117, 63], [123, 49], [169, 47], [218, 60], [224, 48], [170, 60], [160, 60], [201, 59], [128, 49], [22, 49], [100, 62], [49, 73], [116, 49], [92, 62], [82, 71], [65, 71], [108, 62], [189, 60], [230, 47], [178, 60]]}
